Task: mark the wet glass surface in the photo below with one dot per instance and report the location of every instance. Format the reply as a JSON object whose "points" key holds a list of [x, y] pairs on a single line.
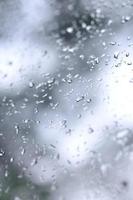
{"points": [[66, 114]]}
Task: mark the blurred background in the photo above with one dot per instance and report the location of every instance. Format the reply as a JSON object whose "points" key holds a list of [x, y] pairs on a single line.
{"points": [[66, 96]]}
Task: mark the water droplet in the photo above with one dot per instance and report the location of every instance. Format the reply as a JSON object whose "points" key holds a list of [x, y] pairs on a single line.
{"points": [[17, 129], [125, 19], [51, 81], [22, 151], [11, 160], [90, 130], [116, 55], [2, 153], [31, 84], [127, 54], [82, 57], [34, 162], [50, 97], [112, 43], [88, 100], [79, 99], [129, 63], [97, 60], [69, 29], [6, 173]]}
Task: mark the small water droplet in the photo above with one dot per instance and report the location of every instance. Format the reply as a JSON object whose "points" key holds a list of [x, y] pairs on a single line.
{"points": [[90, 130], [129, 63], [88, 100], [11, 160], [51, 81], [82, 57], [79, 99], [22, 151], [97, 60], [17, 129], [112, 43], [34, 162], [70, 30], [6, 173], [31, 84], [127, 54], [1, 153], [116, 55]]}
